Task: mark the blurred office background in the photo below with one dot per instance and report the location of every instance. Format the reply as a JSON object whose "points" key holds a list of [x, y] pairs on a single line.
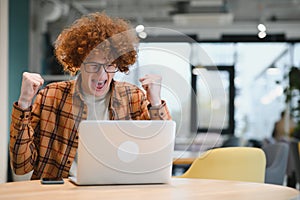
{"points": [[224, 63]]}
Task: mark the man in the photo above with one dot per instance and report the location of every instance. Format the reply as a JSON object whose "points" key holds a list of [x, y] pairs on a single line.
{"points": [[44, 125]]}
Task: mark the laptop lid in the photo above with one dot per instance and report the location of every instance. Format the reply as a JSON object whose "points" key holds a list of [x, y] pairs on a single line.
{"points": [[125, 152]]}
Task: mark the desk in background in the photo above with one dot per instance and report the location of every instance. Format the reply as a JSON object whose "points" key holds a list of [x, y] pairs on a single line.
{"points": [[185, 157], [178, 189]]}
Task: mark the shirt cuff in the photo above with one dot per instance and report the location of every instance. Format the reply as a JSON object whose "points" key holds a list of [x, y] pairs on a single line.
{"points": [[20, 117], [159, 112]]}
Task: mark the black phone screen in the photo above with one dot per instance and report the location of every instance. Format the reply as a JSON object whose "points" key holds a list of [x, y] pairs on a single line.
{"points": [[52, 181]]}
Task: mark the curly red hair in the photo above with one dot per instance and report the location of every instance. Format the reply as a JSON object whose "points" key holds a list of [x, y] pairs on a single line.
{"points": [[114, 36]]}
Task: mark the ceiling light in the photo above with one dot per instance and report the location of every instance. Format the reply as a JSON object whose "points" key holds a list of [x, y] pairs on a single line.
{"points": [[261, 28], [262, 34], [143, 35], [139, 28]]}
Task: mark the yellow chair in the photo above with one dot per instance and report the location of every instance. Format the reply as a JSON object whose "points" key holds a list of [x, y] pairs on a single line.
{"points": [[295, 155], [229, 163]]}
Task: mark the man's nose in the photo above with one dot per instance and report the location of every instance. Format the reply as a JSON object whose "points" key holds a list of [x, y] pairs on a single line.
{"points": [[101, 71]]}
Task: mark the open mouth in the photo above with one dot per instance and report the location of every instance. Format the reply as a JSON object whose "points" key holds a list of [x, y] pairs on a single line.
{"points": [[100, 85]]}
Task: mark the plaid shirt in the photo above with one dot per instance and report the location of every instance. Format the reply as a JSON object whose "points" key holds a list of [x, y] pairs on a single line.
{"points": [[44, 137]]}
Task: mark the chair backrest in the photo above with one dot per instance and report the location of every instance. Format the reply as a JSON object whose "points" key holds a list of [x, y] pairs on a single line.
{"points": [[295, 154], [277, 158], [229, 163]]}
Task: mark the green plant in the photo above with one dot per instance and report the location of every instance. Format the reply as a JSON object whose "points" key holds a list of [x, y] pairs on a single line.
{"points": [[293, 94]]}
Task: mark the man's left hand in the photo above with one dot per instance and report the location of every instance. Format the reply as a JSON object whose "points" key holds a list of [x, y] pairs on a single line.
{"points": [[152, 84]]}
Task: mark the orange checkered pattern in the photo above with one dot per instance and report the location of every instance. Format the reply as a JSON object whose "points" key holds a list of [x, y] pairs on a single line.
{"points": [[44, 137]]}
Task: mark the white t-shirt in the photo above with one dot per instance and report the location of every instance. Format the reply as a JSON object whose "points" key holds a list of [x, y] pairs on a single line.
{"points": [[101, 113]]}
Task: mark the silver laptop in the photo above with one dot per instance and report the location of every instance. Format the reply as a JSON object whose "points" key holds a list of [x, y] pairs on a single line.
{"points": [[125, 152]]}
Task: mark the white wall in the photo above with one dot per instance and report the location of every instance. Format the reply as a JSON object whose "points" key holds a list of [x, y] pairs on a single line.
{"points": [[3, 89]]}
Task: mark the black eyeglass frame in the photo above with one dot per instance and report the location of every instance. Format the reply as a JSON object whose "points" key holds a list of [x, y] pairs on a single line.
{"points": [[99, 66]]}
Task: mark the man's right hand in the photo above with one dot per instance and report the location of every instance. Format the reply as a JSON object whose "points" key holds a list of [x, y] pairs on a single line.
{"points": [[31, 82]]}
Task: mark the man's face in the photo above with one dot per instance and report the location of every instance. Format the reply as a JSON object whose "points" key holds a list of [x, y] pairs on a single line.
{"points": [[95, 81]]}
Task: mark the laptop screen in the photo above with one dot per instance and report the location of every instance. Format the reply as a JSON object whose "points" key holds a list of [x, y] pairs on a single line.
{"points": [[125, 152]]}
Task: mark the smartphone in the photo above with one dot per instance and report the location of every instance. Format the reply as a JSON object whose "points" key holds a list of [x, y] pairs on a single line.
{"points": [[52, 181]]}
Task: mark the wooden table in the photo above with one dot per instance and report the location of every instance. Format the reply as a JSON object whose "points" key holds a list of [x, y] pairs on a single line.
{"points": [[179, 188]]}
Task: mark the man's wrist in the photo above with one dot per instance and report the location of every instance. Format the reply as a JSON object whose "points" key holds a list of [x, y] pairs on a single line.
{"points": [[156, 104], [24, 104]]}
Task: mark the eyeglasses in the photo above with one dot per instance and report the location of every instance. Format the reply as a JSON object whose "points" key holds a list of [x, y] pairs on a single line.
{"points": [[94, 67]]}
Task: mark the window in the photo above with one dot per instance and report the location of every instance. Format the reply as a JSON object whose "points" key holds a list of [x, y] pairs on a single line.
{"points": [[172, 62], [214, 87]]}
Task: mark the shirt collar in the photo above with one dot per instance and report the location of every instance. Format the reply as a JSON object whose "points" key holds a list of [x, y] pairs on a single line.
{"points": [[76, 90]]}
